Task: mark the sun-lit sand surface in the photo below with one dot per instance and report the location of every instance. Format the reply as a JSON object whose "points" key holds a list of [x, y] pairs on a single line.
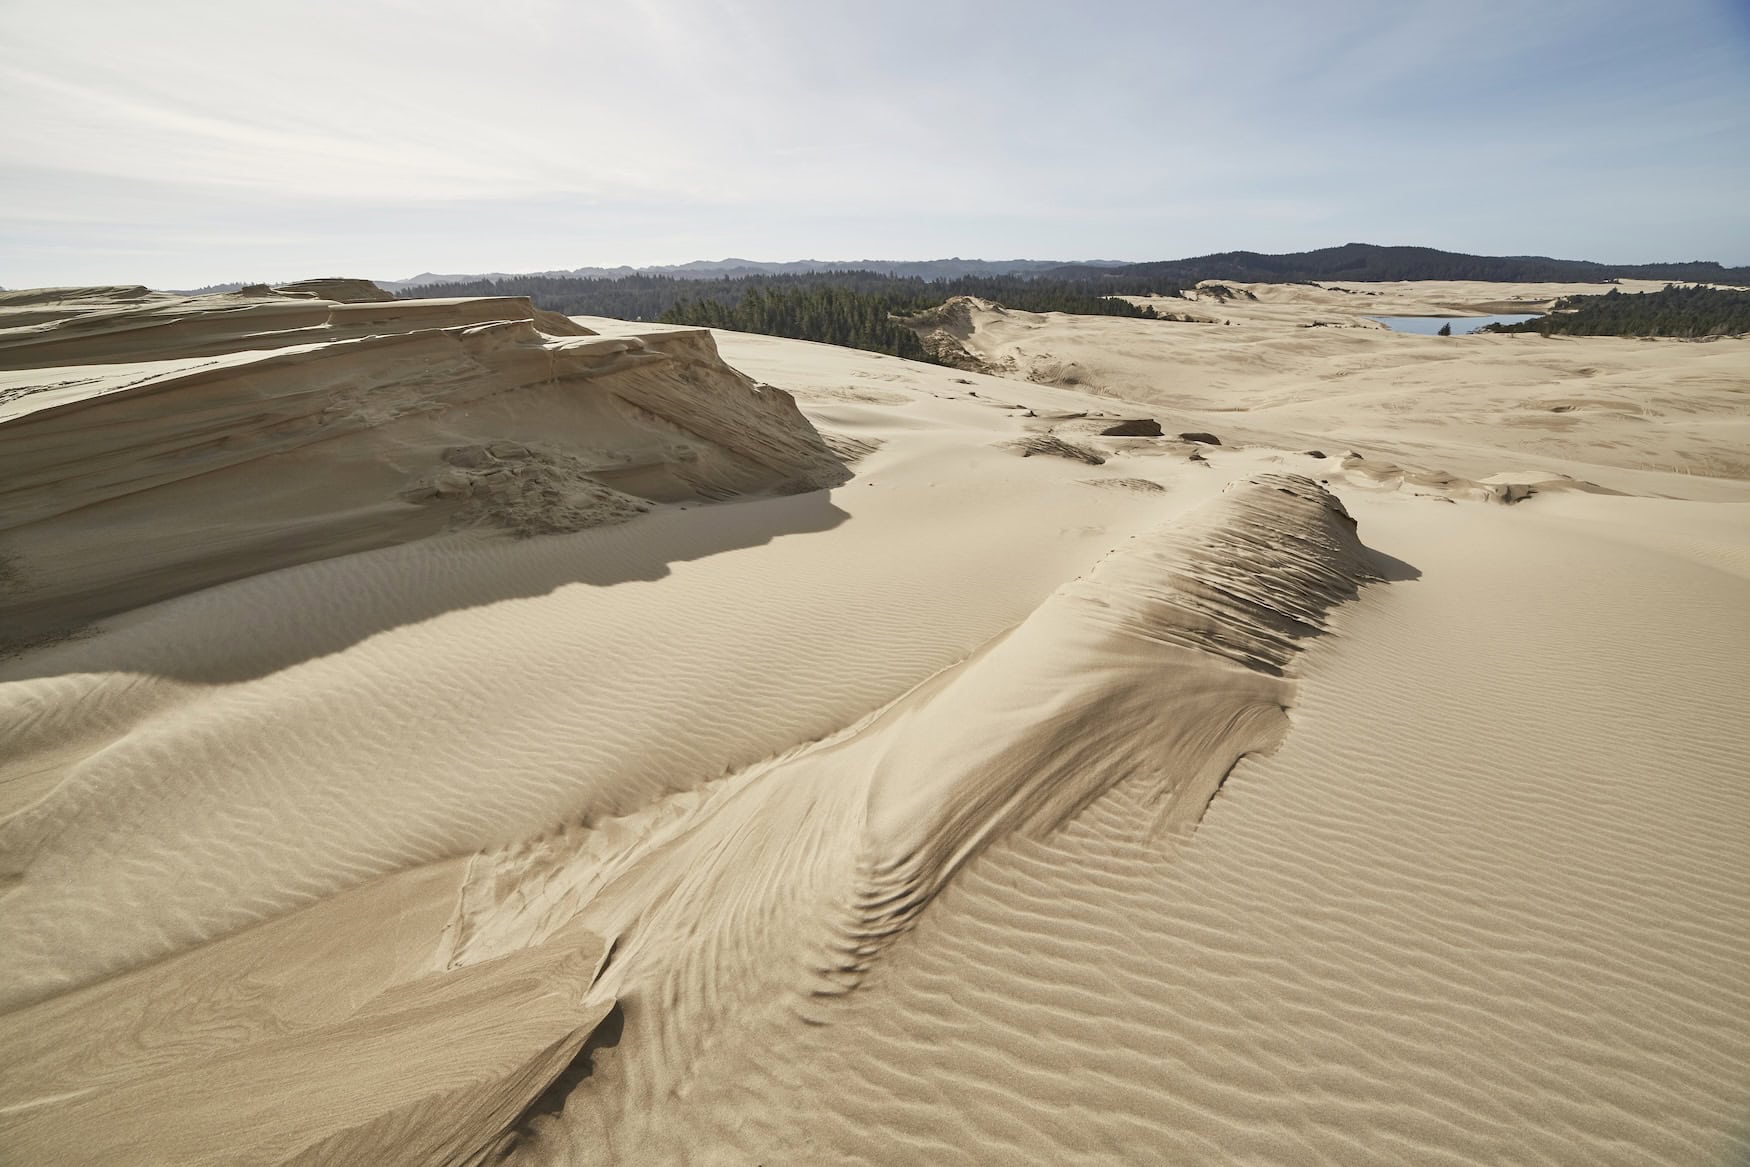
{"points": [[511, 739]]}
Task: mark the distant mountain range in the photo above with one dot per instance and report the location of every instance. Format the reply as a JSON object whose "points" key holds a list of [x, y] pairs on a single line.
{"points": [[712, 269], [1356, 262]]}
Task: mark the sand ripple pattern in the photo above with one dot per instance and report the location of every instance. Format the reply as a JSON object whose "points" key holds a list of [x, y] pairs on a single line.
{"points": [[832, 852], [1485, 905], [1123, 674]]}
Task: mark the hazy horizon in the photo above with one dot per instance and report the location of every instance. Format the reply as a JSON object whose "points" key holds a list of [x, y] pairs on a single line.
{"points": [[282, 278], [190, 143]]}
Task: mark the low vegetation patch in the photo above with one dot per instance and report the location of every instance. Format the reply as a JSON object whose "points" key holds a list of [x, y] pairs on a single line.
{"points": [[1673, 311]]}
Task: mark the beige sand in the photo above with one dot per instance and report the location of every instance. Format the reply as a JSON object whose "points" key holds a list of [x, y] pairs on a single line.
{"points": [[929, 777], [1301, 364]]}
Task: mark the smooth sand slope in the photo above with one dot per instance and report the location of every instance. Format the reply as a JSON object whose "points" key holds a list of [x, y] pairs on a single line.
{"points": [[902, 769]]}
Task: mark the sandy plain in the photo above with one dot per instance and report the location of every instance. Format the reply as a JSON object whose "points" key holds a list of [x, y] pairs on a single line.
{"points": [[610, 751]]}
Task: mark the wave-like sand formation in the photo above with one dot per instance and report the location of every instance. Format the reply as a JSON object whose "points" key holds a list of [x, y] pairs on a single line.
{"points": [[190, 440], [1161, 668], [1484, 904], [1125, 675]]}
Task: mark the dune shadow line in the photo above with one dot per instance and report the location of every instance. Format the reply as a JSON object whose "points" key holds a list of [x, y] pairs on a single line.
{"points": [[253, 627]]}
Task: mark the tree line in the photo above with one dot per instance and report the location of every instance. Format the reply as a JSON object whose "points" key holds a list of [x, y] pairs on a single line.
{"points": [[829, 314], [1672, 311], [647, 297], [852, 308]]}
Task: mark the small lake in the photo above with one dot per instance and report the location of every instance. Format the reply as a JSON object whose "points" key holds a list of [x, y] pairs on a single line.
{"points": [[1430, 325]]}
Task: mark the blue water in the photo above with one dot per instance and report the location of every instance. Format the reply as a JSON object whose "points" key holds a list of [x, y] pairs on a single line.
{"points": [[1430, 325]]}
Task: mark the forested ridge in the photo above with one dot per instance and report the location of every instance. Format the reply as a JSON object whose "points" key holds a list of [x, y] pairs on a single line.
{"points": [[650, 297], [1672, 311], [829, 314], [855, 309], [1369, 262], [1358, 262]]}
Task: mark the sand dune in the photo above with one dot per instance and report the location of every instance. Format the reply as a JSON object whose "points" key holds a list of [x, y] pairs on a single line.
{"points": [[1300, 366], [200, 439], [911, 770]]}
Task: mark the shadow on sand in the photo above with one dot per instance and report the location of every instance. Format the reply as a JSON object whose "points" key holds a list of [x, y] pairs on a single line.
{"points": [[263, 624], [1389, 567]]}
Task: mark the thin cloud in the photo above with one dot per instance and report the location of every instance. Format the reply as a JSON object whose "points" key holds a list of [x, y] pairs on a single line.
{"points": [[390, 137]]}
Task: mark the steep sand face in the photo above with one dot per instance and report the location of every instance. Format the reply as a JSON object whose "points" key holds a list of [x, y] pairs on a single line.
{"points": [[1037, 793], [189, 440]]}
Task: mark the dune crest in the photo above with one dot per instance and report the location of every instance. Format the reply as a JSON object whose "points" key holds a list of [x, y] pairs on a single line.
{"points": [[1128, 674]]}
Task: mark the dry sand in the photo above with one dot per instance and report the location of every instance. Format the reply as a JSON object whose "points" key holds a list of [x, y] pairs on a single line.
{"points": [[598, 755]]}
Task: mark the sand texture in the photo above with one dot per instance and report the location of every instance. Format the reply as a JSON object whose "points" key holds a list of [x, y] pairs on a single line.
{"points": [[440, 732]]}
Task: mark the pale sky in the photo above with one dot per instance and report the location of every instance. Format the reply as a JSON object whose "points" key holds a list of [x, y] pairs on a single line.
{"points": [[184, 142]]}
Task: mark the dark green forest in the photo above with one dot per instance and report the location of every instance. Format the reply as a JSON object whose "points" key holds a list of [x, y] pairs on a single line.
{"points": [[854, 309], [833, 315], [1673, 311], [649, 297]]}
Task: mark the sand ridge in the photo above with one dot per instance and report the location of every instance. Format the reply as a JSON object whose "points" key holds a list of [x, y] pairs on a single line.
{"points": [[317, 428]]}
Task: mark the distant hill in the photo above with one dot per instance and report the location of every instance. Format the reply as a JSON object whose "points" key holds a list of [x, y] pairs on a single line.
{"points": [[1366, 262], [1357, 262], [712, 269]]}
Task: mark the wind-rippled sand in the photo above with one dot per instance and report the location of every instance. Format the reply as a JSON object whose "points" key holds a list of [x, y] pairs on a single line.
{"points": [[910, 773]]}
